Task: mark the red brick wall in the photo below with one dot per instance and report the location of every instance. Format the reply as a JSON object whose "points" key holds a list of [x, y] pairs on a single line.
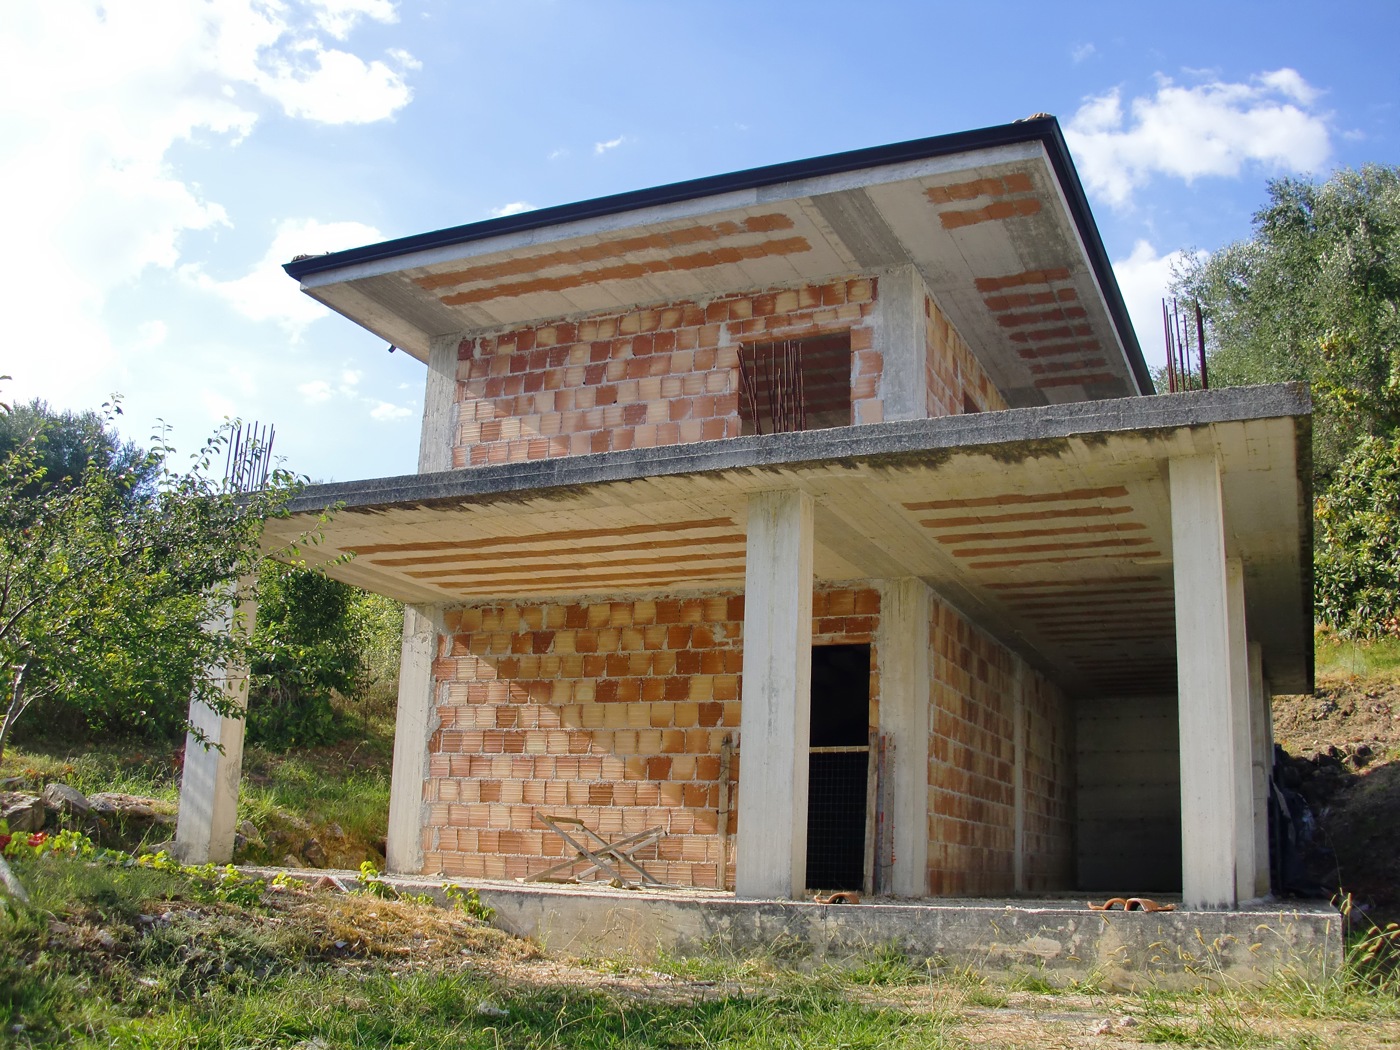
{"points": [[1050, 786], [659, 376], [613, 713], [972, 790], [955, 377]]}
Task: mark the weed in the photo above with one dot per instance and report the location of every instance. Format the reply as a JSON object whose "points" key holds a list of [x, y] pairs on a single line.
{"points": [[466, 900], [887, 965]]}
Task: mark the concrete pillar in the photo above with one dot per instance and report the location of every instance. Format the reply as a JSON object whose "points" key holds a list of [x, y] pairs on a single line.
{"points": [[414, 725], [208, 814], [439, 407], [777, 690], [1240, 731], [904, 379], [1210, 653], [902, 644], [1261, 766], [1018, 765]]}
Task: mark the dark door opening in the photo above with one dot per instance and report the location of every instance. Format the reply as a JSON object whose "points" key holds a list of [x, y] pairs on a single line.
{"points": [[838, 767]]}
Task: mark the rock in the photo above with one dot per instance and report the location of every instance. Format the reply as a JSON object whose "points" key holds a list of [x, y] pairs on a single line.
{"points": [[60, 798], [24, 813], [250, 833], [335, 831], [314, 853], [168, 846], [290, 861]]}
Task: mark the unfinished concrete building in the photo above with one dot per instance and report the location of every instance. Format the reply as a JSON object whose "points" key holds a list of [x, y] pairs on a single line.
{"points": [[819, 516]]}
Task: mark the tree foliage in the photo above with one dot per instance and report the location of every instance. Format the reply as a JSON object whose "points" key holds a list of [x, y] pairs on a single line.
{"points": [[316, 637], [106, 593], [1314, 295], [1357, 565]]}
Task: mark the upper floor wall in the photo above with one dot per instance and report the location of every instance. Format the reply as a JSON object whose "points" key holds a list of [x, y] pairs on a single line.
{"points": [[672, 374]]}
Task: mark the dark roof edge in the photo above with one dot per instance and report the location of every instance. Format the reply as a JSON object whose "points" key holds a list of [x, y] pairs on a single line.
{"points": [[1058, 150], [905, 439], [1043, 129]]}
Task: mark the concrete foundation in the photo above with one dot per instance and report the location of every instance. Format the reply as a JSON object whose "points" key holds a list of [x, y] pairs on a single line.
{"points": [[1059, 939]]}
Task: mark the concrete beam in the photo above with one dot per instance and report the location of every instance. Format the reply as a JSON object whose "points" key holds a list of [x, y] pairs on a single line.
{"points": [[1205, 663], [902, 645], [777, 688], [414, 726], [904, 378], [208, 813]]}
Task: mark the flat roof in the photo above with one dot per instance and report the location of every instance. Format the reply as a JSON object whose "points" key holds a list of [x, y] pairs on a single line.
{"points": [[977, 212]]}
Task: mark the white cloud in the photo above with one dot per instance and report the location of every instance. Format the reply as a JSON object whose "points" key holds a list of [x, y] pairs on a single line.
{"points": [[1143, 278], [94, 96], [513, 208], [1214, 128], [1083, 51], [599, 148], [558, 154], [266, 293], [385, 412], [315, 392], [339, 17]]}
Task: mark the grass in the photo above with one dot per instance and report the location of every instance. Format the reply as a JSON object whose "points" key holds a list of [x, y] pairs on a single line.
{"points": [[1338, 657], [338, 794], [125, 956]]}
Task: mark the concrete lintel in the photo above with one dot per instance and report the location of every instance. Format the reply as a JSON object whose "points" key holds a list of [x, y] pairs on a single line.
{"points": [[414, 726], [776, 711], [902, 643], [1203, 645]]}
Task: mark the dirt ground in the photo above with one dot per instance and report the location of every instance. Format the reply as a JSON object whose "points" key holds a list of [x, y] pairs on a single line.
{"points": [[1345, 746]]}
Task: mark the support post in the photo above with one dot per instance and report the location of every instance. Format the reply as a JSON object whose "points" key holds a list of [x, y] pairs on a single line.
{"points": [[904, 377], [1261, 766], [208, 815], [439, 407], [1240, 732], [902, 644], [414, 725], [776, 713], [1018, 765], [1210, 653]]}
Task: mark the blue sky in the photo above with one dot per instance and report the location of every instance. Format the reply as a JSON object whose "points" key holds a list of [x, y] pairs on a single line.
{"points": [[160, 158]]}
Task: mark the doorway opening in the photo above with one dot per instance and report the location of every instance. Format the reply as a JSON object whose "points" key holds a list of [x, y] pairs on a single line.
{"points": [[838, 769]]}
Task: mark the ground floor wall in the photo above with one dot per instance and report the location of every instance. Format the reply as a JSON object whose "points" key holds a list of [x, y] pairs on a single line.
{"points": [[620, 714], [1001, 755], [1129, 795]]}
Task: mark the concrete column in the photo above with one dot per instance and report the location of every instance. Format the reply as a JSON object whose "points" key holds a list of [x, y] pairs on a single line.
{"points": [[904, 380], [1018, 761], [1209, 652], [777, 689], [439, 432], [902, 644], [1240, 731], [208, 814], [415, 723], [1261, 766]]}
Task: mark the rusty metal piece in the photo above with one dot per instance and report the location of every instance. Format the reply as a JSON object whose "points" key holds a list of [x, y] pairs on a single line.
{"points": [[839, 897], [1131, 904]]}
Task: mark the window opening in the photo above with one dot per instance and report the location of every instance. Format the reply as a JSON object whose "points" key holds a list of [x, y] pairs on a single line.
{"points": [[838, 767], [797, 384]]}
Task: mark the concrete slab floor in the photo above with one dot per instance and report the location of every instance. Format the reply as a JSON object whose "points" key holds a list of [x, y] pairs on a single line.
{"points": [[1057, 938]]}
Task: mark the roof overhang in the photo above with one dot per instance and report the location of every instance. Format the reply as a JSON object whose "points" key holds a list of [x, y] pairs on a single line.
{"points": [[995, 220], [1049, 527]]}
